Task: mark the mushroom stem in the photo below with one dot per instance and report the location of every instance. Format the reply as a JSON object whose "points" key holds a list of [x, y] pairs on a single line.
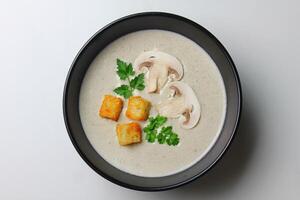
{"points": [[152, 83]]}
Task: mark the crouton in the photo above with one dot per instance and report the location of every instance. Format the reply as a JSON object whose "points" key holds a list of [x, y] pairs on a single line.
{"points": [[111, 107], [129, 133], [138, 108]]}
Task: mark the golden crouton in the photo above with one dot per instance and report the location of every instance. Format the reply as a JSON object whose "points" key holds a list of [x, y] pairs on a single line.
{"points": [[138, 108], [129, 133], [111, 107]]}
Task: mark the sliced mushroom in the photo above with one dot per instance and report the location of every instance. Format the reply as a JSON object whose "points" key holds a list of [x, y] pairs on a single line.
{"points": [[161, 67], [182, 104]]}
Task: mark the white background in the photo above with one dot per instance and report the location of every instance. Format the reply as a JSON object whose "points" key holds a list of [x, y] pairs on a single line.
{"points": [[38, 41]]}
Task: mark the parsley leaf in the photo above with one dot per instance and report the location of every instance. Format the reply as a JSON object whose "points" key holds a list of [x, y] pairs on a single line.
{"points": [[161, 139], [125, 72], [155, 123], [160, 120], [165, 135], [138, 82], [124, 90], [151, 128], [151, 136], [173, 139]]}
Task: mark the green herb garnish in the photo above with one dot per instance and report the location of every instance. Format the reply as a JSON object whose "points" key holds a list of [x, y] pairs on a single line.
{"points": [[165, 135], [151, 128], [138, 82], [125, 72], [124, 90]]}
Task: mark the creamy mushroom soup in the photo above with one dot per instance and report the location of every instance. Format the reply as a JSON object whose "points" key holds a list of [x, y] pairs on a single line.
{"points": [[192, 100]]}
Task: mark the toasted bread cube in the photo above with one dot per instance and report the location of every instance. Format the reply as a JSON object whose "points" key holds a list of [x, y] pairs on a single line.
{"points": [[111, 107], [129, 133], [138, 108]]}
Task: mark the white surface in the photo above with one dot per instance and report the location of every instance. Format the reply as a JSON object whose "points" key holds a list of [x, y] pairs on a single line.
{"points": [[39, 40]]}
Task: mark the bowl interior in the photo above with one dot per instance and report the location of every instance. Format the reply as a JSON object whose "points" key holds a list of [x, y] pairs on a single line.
{"points": [[117, 29]]}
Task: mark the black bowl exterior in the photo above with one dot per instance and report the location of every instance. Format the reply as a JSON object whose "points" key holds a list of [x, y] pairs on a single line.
{"points": [[118, 28]]}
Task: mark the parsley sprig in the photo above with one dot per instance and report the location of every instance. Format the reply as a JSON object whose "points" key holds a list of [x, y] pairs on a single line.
{"points": [[125, 73], [165, 135]]}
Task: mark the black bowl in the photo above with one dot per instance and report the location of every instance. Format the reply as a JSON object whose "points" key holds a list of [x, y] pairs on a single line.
{"points": [[116, 29]]}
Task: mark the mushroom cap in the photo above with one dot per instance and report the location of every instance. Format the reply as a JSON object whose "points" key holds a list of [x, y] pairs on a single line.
{"points": [[189, 111], [161, 57], [166, 107], [161, 67]]}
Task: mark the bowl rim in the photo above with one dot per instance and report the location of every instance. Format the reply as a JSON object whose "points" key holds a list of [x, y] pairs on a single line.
{"points": [[237, 81]]}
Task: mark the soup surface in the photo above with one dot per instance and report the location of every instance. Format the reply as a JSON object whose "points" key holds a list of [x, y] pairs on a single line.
{"points": [[152, 159]]}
